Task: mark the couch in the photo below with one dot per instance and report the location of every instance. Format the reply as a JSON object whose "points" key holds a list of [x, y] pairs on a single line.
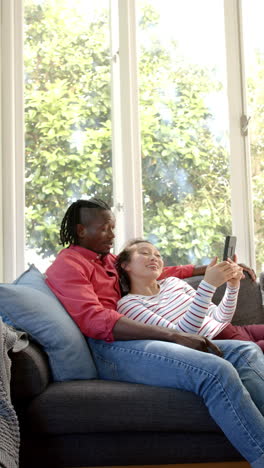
{"points": [[85, 423]]}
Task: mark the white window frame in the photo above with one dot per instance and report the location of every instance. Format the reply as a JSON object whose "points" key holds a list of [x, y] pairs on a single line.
{"points": [[12, 143], [240, 163], [127, 178], [125, 123]]}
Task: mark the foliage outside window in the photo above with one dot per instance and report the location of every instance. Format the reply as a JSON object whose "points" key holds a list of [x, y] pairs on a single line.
{"points": [[187, 207], [67, 113], [186, 193]]}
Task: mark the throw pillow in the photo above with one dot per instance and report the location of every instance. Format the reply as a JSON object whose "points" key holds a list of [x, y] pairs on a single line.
{"points": [[28, 304]]}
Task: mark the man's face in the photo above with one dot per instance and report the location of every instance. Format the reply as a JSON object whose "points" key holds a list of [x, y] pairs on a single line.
{"points": [[98, 234]]}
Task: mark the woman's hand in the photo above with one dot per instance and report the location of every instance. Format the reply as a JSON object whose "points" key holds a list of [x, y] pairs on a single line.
{"points": [[238, 275], [217, 274]]}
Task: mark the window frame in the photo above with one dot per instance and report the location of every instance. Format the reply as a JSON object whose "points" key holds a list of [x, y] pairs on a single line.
{"points": [[240, 162], [12, 142], [127, 195]]}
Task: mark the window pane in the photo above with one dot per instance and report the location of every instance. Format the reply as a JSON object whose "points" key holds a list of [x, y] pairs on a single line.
{"points": [[253, 12], [67, 114], [184, 122]]}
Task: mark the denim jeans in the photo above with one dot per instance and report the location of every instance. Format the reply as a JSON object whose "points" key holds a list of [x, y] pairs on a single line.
{"points": [[232, 388]]}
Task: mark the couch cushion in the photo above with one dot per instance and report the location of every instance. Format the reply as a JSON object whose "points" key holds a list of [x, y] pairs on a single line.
{"points": [[109, 406], [28, 304]]}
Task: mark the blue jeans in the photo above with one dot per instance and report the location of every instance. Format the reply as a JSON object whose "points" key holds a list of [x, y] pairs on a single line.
{"points": [[232, 388]]}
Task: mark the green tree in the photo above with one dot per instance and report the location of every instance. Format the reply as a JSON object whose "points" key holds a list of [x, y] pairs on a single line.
{"points": [[68, 134], [256, 128], [67, 115], [185, 169]]}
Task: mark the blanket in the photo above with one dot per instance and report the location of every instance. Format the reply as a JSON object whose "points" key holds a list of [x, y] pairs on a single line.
{"points": [[9, 427]]}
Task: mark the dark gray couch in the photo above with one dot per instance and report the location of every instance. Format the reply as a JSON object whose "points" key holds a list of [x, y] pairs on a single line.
{"points": [[100, 423]]}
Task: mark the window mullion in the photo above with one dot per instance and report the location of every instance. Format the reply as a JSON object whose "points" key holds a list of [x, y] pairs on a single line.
{"points": [[117, 160], [19, 136], [127, 174], [12, 139], [241, 192]]}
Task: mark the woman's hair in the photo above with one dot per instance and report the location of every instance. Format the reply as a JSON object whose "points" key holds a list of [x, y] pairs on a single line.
{"points": [[124, 257], [68, 232]]}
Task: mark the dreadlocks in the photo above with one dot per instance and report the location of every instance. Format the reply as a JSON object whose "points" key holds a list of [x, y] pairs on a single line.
{"points": [[68, 234]]}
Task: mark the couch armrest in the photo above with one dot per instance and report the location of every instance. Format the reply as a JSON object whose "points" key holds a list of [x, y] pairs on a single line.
{"points": [[30, 372]]}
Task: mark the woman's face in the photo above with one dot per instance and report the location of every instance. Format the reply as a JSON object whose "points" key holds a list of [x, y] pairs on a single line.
{"points": [[145, 261]]}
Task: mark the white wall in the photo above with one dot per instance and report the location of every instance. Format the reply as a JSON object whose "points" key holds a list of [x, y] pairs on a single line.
{"points": [[1, 164]]}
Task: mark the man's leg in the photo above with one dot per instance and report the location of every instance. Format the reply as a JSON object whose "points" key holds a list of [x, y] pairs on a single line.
{"points": [[215, 379]]}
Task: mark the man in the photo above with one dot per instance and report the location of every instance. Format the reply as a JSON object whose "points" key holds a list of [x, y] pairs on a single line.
{"points": [[84, 278]]}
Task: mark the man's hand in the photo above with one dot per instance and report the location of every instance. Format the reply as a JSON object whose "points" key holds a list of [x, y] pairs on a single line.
{"points": [[200, 343], [249, 270]]}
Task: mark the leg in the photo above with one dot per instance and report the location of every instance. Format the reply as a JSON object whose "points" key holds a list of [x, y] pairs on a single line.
{"points": [[215, 379], [254, 333], [247, 358]]}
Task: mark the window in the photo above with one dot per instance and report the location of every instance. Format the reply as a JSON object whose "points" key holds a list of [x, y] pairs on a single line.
{"points": [[67, 114], [254, 61], [184, 125], [180, 158]]}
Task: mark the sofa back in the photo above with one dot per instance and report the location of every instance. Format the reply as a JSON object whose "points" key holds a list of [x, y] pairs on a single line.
{"points": [[249, 309]]}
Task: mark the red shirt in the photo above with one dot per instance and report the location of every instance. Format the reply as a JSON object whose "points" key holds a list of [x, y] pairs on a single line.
{"points": [[87, 285]]}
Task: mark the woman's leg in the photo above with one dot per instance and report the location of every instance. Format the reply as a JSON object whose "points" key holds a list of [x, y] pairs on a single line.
{"points": [[247, 358], [216, 380], [254, 333]]}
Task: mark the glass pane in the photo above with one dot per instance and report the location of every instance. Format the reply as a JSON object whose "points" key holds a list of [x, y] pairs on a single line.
{"points": [[253, 12], [184, 122], [67, 115]]}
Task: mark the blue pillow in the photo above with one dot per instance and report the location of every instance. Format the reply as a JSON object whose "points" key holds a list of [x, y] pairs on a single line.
{"points": [[28, 304]]}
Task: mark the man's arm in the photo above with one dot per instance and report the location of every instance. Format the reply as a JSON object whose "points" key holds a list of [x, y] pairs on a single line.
{"points": [[68, 278], [200, 270], [127, 329]]}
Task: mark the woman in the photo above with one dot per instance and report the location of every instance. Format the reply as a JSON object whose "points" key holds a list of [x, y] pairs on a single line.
{"points": [[172, 303]]}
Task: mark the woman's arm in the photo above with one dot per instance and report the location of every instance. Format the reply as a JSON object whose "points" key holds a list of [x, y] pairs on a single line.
{"points": [[225, 310], [184, 311], [190, 320], [132, 308]]}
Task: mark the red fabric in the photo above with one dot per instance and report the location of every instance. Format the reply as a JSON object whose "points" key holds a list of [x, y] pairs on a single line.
{"points": [[253, 333], [87, 285], [180, 271]]}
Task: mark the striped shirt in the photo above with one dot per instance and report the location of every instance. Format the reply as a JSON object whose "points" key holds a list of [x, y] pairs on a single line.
{"points": [[179, 306]]}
